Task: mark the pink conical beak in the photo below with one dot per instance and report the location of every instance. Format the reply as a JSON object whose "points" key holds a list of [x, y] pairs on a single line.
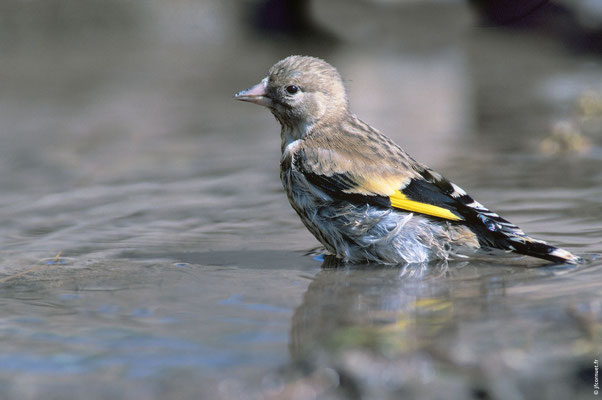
{"points": [[256, 94]]}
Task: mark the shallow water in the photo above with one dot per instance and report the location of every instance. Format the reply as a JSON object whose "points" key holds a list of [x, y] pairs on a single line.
{"points": [[184, 273]]}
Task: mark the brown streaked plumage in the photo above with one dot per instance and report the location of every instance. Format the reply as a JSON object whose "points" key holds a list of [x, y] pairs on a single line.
{"points": [[359, 193]]}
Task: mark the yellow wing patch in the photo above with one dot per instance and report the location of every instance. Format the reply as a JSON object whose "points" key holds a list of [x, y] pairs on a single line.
{"points": [[400, 200]]}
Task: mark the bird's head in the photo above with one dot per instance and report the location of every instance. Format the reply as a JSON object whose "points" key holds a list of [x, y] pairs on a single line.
{"points": [[300, 90]]}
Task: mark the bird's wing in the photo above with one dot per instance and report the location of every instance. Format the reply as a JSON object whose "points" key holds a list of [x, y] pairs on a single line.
{"points": [[412, 187], [409, 187], [363, 181], [492, 230]]}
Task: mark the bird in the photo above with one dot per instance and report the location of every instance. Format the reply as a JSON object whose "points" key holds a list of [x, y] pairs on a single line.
{"points": [[360, 194]]}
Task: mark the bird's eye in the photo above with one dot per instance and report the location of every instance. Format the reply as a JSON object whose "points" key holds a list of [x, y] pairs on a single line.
{"points": [[292, 89]]}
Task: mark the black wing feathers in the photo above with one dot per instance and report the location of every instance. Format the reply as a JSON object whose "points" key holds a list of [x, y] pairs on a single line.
{"points": [[491, 230], [335, 185]]}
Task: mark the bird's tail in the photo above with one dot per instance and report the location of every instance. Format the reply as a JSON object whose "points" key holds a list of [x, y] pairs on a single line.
{"points": [[540, 249], [496, 232]]}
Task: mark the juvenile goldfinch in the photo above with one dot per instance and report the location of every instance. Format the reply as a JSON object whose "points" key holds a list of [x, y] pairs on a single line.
{"points": [[361, 195]]}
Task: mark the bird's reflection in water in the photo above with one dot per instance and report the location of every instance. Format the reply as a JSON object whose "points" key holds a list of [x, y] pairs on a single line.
{"points": [[390, 310], [375, 326]]}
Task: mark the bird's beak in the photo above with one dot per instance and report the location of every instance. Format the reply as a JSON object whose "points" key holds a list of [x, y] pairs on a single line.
{"points": [[257, 94]]}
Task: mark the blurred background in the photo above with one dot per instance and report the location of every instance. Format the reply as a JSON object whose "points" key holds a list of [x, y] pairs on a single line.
{"points": [[96, 91], [147, 249]]}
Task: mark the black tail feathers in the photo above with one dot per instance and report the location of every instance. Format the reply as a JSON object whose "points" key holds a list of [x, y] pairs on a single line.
{"points": [[539, 249], [495, 232]]}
